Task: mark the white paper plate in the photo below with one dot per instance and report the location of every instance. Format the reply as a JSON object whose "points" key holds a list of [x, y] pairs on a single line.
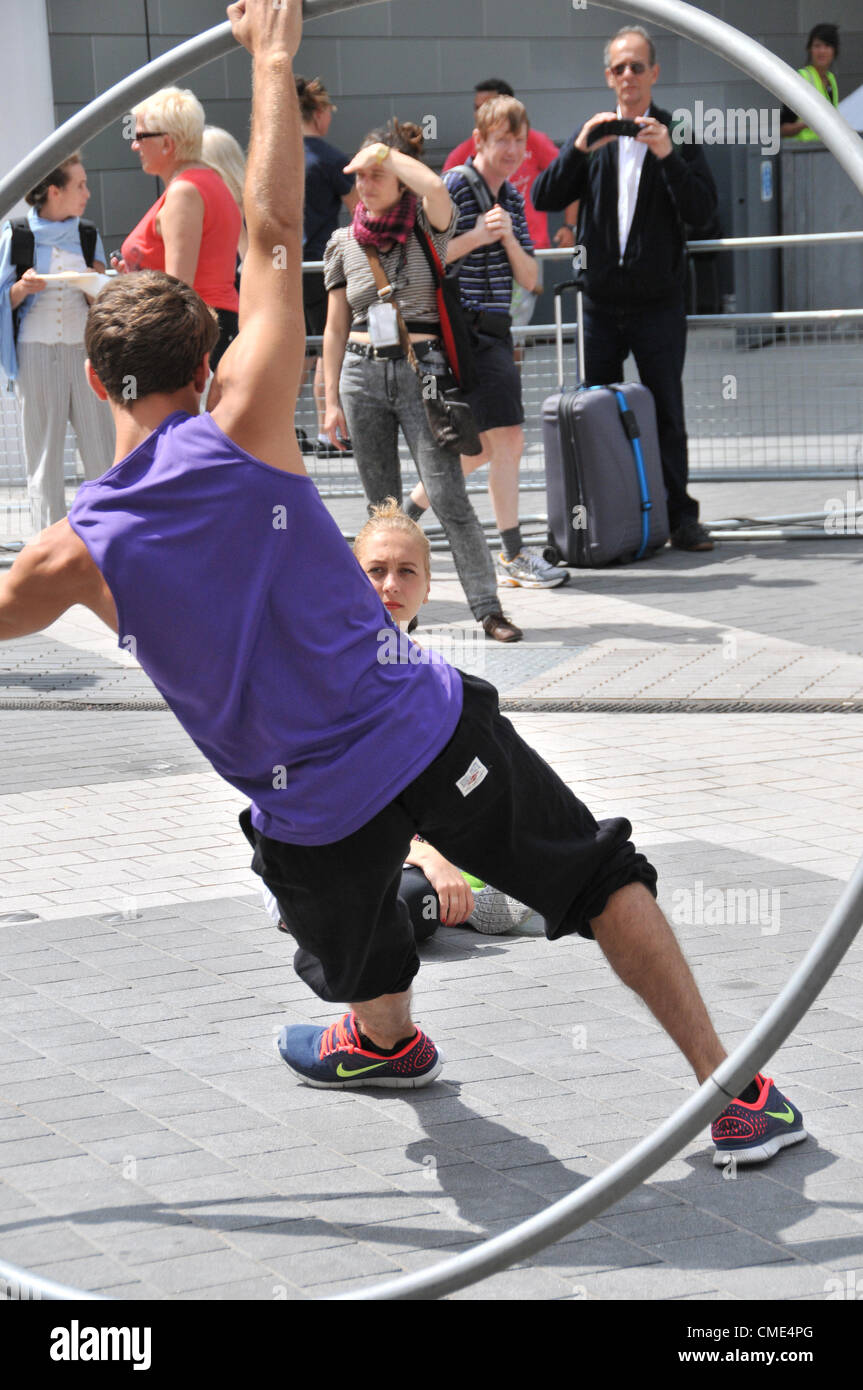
{"points": [[88, 281]]}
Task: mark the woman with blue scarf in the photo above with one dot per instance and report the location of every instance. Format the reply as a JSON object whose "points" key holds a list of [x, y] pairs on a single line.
{"points": [[43, 354]]}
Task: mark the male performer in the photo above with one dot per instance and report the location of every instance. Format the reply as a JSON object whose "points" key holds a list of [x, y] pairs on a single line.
{"points": [[273, 662]]}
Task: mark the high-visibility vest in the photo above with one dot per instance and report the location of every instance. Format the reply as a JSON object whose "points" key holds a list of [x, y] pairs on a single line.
{"points": [[811, 75]]}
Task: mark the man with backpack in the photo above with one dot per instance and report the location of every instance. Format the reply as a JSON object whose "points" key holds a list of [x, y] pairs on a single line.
{"points": [[491, 248]]}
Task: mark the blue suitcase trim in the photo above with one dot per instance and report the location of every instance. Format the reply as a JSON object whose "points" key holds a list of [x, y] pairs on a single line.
{"points": [[633, 434]]}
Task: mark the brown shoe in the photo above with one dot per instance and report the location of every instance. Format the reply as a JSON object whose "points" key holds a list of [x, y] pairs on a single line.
{"points": [[501, 629]]}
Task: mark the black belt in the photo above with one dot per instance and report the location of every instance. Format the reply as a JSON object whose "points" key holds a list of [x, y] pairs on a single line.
{"points": [[412, 326], [390, 353]]}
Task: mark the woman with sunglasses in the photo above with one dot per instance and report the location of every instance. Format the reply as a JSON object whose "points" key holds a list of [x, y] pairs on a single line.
{"points": [[193, 229]]}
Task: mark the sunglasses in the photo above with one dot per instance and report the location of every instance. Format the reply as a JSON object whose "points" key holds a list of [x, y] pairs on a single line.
{"points": [[149, 135], [635, 68]]}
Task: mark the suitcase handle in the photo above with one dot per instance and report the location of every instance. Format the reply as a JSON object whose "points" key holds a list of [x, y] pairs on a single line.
{"points": [[559, 291]]}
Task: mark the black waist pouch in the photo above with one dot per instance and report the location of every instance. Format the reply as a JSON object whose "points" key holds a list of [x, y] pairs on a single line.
{"points": [[494, 325]]}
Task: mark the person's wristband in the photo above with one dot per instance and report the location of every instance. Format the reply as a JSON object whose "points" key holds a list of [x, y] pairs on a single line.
{"points": [[382, 152], [571, 226]]}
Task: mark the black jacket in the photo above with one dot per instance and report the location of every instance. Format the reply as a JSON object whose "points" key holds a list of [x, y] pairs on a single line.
{"points": [[672, 191]]}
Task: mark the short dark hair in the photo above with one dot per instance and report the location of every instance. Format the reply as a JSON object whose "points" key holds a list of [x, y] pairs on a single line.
{"points": [[148, 332], [58, 178], [827, 33], [495, 84], [312, 95], [404, 136]]}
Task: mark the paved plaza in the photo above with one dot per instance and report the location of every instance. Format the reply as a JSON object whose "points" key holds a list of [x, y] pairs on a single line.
{"points": [[152, 1143]]}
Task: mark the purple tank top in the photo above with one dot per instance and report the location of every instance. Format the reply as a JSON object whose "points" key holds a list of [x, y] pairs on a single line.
{"points": [[242, 601]]}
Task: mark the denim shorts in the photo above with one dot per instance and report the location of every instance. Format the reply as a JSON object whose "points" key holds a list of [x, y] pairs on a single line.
{"points": [[491, 805]]}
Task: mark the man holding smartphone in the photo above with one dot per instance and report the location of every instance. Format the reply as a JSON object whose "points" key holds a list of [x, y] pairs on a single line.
{"points": [[636, 192]]}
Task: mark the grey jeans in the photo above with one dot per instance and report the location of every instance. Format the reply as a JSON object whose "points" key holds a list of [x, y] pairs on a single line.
{"points": [[379, 395]]}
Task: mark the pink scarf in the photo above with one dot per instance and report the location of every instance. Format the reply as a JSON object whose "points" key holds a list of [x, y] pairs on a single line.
{"points": [[395, 225]]}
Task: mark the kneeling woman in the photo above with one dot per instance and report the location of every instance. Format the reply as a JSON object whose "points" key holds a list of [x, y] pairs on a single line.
{"points": [[371, 388], [394, 553]]}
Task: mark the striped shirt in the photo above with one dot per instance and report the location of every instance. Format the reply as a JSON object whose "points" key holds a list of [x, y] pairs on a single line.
{"points": [[346, 266], [485, 276]]}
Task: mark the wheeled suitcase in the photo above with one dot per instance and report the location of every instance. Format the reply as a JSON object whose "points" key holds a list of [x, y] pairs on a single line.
{"points": [[604, 486]]}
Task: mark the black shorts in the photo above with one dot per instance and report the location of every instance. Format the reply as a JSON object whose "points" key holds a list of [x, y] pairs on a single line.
{"points": [[314, 307], [491, 805], [496, 402]]}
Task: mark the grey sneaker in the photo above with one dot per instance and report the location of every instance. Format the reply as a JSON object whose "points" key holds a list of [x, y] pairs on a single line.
{"points": [[495, 913], [530, 570]]}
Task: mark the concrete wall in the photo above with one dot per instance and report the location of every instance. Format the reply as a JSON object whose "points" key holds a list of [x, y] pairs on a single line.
{"points": [[413, 58], [26, 86]]}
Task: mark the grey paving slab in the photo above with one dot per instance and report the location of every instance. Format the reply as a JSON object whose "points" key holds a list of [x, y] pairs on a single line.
{"points": [[648, 1282], [142, 1030], [661, 1225], [333, 1264], [200, 1271]]}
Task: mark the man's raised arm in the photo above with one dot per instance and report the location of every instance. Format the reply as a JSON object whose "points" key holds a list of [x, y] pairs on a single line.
{"points": [[258, 378]]}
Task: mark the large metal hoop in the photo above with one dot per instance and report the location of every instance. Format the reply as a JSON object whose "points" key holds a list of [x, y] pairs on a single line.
{"points": [[845, 921]]}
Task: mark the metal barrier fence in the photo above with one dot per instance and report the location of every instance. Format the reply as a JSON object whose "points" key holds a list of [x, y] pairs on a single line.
{"points": [[747, 415]]}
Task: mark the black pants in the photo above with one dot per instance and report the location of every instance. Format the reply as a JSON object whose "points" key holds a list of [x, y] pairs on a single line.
{"points": [[656, 337], [421, 901], [490, 804], [229, 327]]}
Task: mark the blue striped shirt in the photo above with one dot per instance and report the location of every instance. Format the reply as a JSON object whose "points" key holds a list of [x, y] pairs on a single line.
{"points": [[485, 276]]}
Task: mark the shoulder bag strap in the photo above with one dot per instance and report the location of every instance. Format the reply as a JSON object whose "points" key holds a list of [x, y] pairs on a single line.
{"points": [[22, 249], [476, 183], [430, 251], [87, 234], [387, 294]]}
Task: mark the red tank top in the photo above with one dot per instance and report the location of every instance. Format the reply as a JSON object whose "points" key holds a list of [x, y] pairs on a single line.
{"points": [[144, 248]]}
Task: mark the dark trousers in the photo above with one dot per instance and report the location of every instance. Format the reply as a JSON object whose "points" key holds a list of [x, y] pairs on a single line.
{"points": [[488, 802], [229, 327], [656, 337]]}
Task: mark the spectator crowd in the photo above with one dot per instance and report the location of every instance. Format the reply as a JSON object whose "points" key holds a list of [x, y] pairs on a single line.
{"points": [[626, 199]]}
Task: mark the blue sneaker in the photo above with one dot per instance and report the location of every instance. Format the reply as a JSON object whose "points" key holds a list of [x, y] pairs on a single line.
{"points": [[334, 1058], [751, 1133]]}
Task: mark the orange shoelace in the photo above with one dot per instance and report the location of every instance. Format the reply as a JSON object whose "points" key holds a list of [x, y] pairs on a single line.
{"points": [[339, 1037]]}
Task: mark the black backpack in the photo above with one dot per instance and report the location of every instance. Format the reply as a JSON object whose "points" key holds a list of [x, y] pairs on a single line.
{"points": [[22, 252]]}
